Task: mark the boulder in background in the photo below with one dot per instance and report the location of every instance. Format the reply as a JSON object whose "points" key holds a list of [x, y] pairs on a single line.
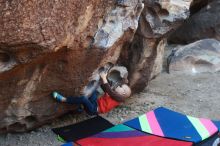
{"points": [[197, 57]]}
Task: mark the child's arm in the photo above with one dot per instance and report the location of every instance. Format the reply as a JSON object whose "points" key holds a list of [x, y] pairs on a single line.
{"points": [[106, 88]]}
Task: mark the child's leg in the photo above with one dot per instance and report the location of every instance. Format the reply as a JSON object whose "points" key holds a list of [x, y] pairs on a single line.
{"points": [[89, 106], [93, 97]]}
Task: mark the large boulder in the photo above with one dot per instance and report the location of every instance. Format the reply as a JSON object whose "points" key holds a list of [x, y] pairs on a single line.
{"points": [[198, 57], [201, 25], [56, 45], [59, 45]]}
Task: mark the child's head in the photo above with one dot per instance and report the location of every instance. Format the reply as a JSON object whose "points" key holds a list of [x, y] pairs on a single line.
{"points": [[123, 90]]}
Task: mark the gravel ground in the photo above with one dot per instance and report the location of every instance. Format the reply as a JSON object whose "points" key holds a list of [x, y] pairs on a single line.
{"points": [[196, 95]]}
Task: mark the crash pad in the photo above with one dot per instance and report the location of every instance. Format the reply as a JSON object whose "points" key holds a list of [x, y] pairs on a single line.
{"points": [[82, 129], [122, 135], [170, 124]]}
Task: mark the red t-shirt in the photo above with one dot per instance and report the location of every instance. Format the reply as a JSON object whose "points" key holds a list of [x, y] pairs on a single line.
{"points": [[106, 103]]}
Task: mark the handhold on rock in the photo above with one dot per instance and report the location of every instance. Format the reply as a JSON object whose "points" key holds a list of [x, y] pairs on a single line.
{"points": [[114, 79], [95, 79], [116, 76], [106, 68]]}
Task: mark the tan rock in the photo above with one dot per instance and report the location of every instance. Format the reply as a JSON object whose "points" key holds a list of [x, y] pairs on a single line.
{"points": [[54, 45]]}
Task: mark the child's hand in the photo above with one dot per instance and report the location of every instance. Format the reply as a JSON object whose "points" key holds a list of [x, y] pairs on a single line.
{"points": [[103, 76]]}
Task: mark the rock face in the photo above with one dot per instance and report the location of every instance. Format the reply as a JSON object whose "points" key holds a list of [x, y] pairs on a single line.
{"points": [[56, 45], [201, 56], [145, 54], [204, 24]]}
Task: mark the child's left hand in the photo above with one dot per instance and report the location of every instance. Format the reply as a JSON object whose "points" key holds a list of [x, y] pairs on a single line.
{"points": [[103, 76]]}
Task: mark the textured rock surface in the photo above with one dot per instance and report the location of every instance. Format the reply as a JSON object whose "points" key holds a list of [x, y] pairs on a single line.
{"points": [[144, 57], [203, 24], [57, 45], [201, 56]]}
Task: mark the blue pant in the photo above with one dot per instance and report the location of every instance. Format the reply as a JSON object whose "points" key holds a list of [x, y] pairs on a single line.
{"points": [[90, 104]]}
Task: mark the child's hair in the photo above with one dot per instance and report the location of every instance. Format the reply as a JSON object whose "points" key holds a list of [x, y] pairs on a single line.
{"points": [[124, 90], [127, 90]]}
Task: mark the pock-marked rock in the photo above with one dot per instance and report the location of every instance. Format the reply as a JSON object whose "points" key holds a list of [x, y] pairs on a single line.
{"points": [[198, 57], [117, 22]]}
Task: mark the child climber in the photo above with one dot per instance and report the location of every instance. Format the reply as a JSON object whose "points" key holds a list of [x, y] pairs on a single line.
{"points": [[94, 105]]}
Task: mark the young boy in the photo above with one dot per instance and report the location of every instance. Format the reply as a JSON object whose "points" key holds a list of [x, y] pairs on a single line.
{"points": [[94, 105]]}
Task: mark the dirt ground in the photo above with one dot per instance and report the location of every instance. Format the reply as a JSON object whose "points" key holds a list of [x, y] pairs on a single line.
{"points": [[196, 95]]}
